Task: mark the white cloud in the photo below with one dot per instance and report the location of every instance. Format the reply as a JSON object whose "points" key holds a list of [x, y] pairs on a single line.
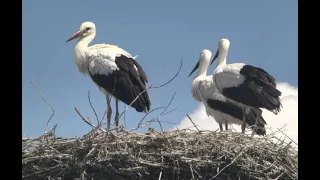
{"points": [[288, 116]]}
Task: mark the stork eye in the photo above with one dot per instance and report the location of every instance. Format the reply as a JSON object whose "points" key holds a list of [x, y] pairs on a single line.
{"points": [[87, 29]]}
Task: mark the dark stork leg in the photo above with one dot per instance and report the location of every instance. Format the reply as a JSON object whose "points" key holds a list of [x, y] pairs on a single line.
{"points": [[255, 127], [221, 128], [243, 125], [116, 117], [226, 126], [109, 112]]}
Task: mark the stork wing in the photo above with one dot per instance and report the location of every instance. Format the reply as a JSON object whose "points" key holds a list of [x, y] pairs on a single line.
{"points": [[119, 76], [248, 85]]}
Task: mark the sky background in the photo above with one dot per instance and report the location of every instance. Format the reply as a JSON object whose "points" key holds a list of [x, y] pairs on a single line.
{"points": [[262, 33]]}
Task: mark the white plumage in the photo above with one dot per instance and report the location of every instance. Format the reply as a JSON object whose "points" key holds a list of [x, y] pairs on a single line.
{"points": [[246, 85], [112, 69], [204, 90]]}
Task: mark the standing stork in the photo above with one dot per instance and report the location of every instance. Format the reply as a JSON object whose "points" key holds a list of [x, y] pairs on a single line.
{"points": [[246, 85], [113, 70], [204, 90]]}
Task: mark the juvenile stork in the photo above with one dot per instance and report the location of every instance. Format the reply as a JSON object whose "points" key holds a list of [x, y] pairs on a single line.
{"points": [[204, 90], [113, 70], [246, 85]]}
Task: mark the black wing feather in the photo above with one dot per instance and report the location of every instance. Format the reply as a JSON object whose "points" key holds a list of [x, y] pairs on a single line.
{"points": [[126, 83]]}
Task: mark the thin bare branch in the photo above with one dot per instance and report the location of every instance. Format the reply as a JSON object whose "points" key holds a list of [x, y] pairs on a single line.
{"points": [[161, 85], [87, 120], [46, 102], [193, 122], [95, 113], [288, 137]]}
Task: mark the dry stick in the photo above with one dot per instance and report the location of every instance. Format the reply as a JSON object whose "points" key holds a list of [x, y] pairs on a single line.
{"points": [[288, 137], [170, 112], [147, 115], [93, 108], [193, 122], [46, 102], [140, 123], [153, 87], [153, 119], [86, 120], [168, 104], [164, 111]]}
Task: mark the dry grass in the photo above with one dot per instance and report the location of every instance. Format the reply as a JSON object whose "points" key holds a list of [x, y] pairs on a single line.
{"points": [[154, 155]]}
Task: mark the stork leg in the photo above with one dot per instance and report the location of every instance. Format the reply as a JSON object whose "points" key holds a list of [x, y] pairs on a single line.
{"points": [[243, 125], [226, 126], [116, 117], [221, 128], [255, 127], [109, 112]]}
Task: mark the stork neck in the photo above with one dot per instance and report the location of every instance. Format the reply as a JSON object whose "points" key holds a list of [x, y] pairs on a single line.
{"points": [[83, 42], [82, 45], [222, 58], [80, 50], [203, 66]]}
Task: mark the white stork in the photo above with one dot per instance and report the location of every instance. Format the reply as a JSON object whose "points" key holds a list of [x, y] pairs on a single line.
{"points": [[246, 85], [204, 90], [112, 69]]}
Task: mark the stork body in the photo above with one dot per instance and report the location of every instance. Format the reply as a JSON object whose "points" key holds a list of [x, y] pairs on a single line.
{"points": [[217, 105], [246, 85], [113, 70]]}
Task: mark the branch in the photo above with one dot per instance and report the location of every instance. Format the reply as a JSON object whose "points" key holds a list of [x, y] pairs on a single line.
{"points": [[288, 137], [159, 86], [86, 120], [46, 102], [93, 108], [193, 122], [156, 119]]}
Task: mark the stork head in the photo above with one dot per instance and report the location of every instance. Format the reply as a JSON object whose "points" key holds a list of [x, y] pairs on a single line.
{"points": [[86, 29], [223, 47], [204, 59]]}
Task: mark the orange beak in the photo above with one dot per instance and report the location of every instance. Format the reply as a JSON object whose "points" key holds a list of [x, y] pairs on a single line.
{"points": [[75, 35]]}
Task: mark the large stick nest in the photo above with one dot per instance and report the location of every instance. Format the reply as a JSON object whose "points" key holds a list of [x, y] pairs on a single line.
{"points": [[155, 155]]}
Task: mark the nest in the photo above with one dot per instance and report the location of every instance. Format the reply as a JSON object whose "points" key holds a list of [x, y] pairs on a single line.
{"points": [[158, 155]]}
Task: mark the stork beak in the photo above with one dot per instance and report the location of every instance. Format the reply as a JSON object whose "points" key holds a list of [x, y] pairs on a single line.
{"points": [[194, 69], [75, 35], [215, 57]]}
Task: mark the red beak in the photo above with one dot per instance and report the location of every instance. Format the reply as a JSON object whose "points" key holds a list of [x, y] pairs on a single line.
{"points": [[75, 35]]}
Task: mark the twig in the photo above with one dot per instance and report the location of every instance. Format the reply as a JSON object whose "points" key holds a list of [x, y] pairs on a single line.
{"points": [[193, 122], [159, 86], [146, 116], [169, 111], [46, 102], [93, 108], [288, 137], [168, 104], [86, 120]]}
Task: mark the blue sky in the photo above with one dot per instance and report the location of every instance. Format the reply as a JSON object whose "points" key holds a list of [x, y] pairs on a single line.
{"points": [[262, 33]]}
